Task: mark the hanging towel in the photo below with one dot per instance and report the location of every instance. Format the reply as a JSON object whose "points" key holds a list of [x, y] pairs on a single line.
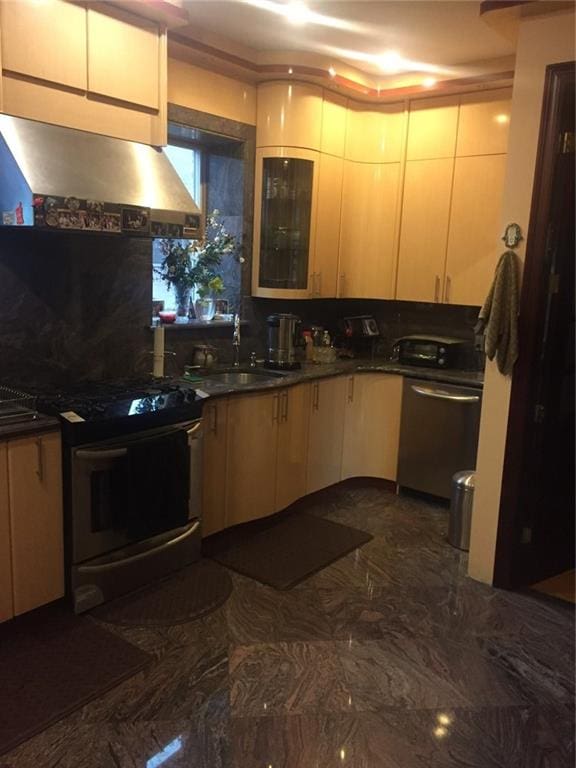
{"points": [[498, 318]]}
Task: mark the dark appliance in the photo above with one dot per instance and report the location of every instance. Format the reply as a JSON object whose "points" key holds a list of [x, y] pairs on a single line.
{"points": [[439, 431], [431, 351], [132, 466], [283, 339]]}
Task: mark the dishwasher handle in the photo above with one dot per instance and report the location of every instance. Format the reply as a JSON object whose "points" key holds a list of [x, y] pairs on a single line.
{"points": [[440, 394]]}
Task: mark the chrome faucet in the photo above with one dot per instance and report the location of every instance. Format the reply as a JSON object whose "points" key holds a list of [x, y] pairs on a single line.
{"points": [[236, 341]]}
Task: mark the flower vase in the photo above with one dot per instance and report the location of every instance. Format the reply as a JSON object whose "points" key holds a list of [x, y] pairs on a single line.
{"points": [[205, 309], [182, 304]]}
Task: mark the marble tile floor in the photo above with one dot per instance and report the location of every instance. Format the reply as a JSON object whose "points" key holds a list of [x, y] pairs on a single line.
{"points": [[389, 658]]}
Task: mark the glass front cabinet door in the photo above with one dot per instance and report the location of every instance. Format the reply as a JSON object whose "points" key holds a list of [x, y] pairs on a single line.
{"points": [[286, 188]]}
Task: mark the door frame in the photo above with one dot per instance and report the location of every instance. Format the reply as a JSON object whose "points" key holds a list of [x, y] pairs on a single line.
{"points": [[535, 286]]}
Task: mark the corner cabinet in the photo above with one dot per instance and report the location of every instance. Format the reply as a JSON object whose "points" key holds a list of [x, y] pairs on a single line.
{"points": [[285, 222]]}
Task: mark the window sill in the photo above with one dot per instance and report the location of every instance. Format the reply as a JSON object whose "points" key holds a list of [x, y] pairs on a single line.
{"points": [[197, 325]]}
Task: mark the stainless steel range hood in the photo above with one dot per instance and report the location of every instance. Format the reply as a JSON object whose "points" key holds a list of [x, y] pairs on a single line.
{"points": [[59, 178]]}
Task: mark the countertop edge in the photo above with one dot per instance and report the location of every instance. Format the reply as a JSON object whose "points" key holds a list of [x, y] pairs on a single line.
{"points": [[33, 427]]}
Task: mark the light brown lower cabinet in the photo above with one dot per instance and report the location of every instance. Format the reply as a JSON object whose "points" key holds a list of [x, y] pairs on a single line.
{"points": [[251, 457], [292, 453], [36, 526], [326, 433], [6, 602], [214, 485], [372, 426]]}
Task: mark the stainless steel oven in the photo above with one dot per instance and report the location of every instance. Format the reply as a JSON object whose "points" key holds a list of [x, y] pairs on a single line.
{"points": [[134, 509]]}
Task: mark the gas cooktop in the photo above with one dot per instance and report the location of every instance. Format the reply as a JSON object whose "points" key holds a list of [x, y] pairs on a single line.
{"points": [[94, 410]]}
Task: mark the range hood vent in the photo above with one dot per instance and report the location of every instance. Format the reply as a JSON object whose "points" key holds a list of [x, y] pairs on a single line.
{"points": [[58, 178]]}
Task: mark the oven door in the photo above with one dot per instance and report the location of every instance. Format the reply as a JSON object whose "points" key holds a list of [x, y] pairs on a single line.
{"points": [[134, 488]]}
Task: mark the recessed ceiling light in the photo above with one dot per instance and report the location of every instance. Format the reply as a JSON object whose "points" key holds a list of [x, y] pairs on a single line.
{"points": [[298, 13], [392, 63], [332, 72], [290, 71], [429, 82]]}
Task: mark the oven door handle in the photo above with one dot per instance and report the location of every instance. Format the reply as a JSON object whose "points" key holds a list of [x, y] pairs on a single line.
{"points": [[101, 455], [121, 562], [440, 394]]}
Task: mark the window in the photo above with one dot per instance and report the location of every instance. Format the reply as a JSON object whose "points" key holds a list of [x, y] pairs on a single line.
{"points": [[187, 162]]}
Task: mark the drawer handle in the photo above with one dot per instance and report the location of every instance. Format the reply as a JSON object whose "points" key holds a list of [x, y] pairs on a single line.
{"points": [[440, 394], [40, 459], [437, 289], [448, 288]]}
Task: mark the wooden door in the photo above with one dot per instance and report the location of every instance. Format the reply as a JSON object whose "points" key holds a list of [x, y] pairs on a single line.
{"points": [[214, 475], [45, 40], [372, 426], [484, 123], [375, 134], [326, 433], [432, 127], [369, 230], [292, 445], [36, 520], [124, 57], [474, 243], [6, 603], [251, 457], [289, 115], [325, 266], [424, 230]]}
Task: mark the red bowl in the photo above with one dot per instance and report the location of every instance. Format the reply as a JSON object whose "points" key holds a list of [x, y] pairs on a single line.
{"points": [[167, 317]]}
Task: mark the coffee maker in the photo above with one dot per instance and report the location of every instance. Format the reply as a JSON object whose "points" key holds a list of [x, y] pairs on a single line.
{"points": [[283, 338]]}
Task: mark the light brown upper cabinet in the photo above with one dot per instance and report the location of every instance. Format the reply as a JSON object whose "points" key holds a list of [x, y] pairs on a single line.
{"points": [[474, 243], [432, 127], [123, 57], [292, 457], [214, 466], [484, 123], [324, 266], [251, 457], [334, 112], [372, 426], [369, 230], [326, 433], [285, 218], [424, 230], [289, 115], [45, 40], [35, 494], [6, 604], [375, 134]]}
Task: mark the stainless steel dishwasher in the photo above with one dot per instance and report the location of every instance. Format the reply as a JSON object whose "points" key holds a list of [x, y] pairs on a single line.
{"points": [[438, 434]]}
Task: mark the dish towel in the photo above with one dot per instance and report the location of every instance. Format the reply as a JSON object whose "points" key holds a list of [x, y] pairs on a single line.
{"points": [[498, 318]]}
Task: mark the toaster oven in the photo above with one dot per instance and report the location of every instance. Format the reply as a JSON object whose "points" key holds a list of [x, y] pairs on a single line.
{"points": [[430, 351]]}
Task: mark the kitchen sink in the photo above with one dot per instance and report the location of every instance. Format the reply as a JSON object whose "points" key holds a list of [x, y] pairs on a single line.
{"points": [[241, 377]]}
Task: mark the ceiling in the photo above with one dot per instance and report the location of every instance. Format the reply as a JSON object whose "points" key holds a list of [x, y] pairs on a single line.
{"points": [[437, 37]]}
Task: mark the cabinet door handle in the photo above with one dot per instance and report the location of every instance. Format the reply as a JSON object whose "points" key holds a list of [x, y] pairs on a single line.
{"points": [[351, 389], [214, 419], [437, 289], [448, 288], [312, 284], [342, 284], [40, 459], [319, 284], [316, 397], [284, 416], [275, 407]]}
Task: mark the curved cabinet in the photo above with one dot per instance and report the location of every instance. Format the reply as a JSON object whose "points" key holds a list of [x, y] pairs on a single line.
{"points": [[432, 128], [284, 222], [289, 115]]}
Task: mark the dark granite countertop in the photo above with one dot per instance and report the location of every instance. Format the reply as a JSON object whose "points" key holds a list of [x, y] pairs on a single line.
{"points": [[32, 427], [312, 371]]}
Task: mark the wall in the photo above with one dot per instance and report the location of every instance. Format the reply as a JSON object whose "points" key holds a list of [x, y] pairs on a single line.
{"points": [[205, 91], [72, 307], [541, 41]]}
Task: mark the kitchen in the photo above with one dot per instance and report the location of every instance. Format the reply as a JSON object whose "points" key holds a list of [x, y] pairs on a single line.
{"points": [[76, 310]]}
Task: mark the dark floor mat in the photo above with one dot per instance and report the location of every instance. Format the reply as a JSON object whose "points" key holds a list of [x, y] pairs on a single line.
{"points": [[184, 596], [291, 550], [52, 663]]}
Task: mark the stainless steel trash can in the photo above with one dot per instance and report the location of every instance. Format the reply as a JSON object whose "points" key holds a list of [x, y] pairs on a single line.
{"points": [[461, 509]]}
